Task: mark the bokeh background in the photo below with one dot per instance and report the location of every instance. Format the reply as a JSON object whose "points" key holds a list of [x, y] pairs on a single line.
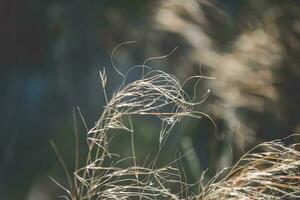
{"points": [[51, 53]]}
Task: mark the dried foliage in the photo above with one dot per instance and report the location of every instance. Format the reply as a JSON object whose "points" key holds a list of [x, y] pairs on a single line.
{"points": [[271, 174], [155, 94], [269, 171]]}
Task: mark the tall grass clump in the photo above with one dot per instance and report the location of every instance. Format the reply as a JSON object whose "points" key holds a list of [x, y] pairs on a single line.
{"points": [[155, 94], [271, 170], [273, 173]]}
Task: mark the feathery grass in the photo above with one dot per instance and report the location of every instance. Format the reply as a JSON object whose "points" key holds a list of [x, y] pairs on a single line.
{"points": [[273, 173], [270, 173]]}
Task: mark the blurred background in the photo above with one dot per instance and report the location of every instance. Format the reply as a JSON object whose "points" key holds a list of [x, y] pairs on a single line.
{"points": [[51, 53]]}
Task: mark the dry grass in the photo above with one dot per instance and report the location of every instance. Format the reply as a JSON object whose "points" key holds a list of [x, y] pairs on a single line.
{"points": [[269, 171], [155, 94], [273, 173]]}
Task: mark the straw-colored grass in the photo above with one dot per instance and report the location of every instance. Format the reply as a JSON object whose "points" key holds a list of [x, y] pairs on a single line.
{"points": [[156, 94], [273, 173], [269, 171]]}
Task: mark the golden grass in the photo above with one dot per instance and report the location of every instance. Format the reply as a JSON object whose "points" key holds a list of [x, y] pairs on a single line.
{"points": [[269, 171]]}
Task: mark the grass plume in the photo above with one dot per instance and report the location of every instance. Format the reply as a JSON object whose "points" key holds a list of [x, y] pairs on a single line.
{"points": [[155, 94]]}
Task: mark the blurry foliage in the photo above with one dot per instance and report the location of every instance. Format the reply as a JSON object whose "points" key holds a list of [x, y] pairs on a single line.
{"points": [[253, 97]]}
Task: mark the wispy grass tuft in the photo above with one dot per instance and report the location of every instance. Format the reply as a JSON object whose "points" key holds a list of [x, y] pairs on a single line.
{"points": [[269, 171], [155, 94], [273, 173]]}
